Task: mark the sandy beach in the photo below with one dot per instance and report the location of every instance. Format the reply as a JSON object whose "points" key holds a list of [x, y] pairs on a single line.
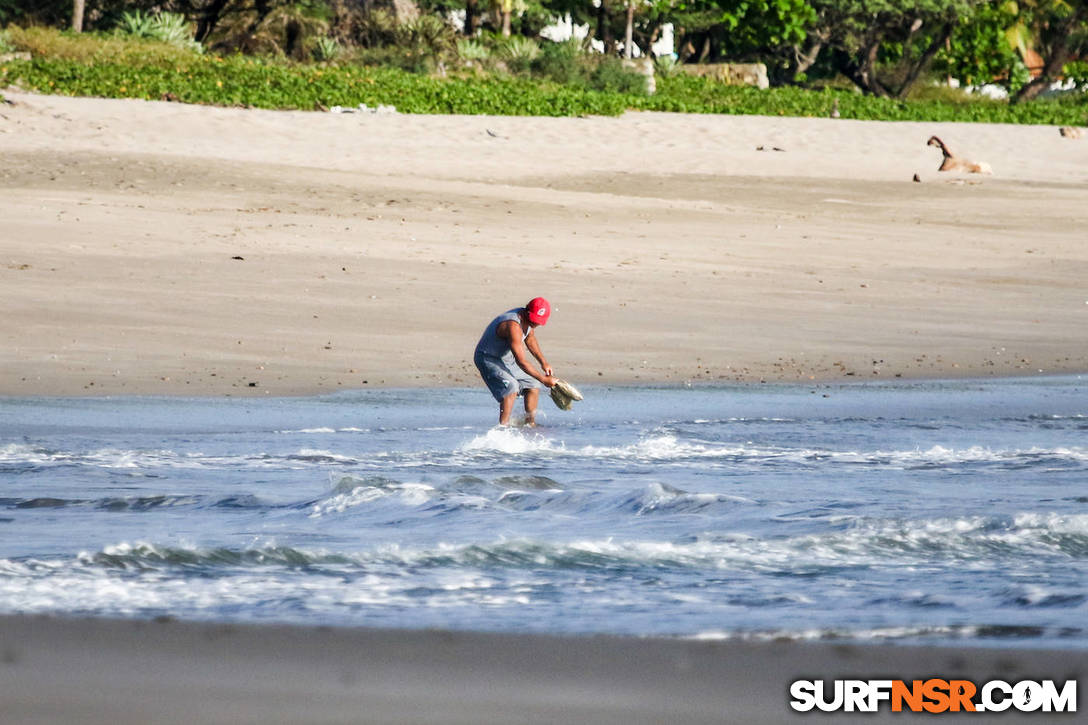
{"points": [[159, 248]]}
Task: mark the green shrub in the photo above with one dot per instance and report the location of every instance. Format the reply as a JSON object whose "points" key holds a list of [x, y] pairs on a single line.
{"points": [[427, 32], [376, 28], [285, 30], [391, 56], [241, 81], [95, 47], [941, 93], [137, 24], [1077, 71], [702, 95], [326, 49], [473, 50], [562, 63], [171, 28], [518, 53], [611, 75], [418, 46], [665, 66], [569, 64]]}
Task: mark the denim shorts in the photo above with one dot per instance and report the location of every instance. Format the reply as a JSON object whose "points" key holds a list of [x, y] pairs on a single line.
{"points": [[501, 379]]}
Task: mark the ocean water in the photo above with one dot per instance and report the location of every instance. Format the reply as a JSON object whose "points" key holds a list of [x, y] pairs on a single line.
{"points": [[936, 512]]}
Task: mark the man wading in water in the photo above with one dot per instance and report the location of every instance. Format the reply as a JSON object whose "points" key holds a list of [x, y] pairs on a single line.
{"points": [[504, 348]]}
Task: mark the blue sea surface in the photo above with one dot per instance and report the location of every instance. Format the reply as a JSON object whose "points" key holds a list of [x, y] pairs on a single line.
{"points": [[926, 512]]}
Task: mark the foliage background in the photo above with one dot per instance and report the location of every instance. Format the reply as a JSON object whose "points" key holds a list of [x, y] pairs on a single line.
{"points": [[862, 58]]}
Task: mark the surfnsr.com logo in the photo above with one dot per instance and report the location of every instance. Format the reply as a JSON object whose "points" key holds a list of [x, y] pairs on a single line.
{"points": [[933, 696]]}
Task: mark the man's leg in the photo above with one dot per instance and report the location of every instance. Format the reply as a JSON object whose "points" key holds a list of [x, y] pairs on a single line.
{"points": [[502, 383], [506, 407], [531, 397]]}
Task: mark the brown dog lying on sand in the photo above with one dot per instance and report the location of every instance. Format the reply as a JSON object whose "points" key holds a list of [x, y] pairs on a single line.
{"points": [[952, 163]]}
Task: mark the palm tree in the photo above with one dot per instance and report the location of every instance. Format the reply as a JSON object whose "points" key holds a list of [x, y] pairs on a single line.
{"points": [[630, 29], [77, 15], [505, 11]]}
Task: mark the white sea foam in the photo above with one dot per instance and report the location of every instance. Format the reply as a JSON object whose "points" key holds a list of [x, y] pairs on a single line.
{"points": [[409, 494], [658, 448], [511, 440], [833, 633], [1076, 524], [867, 543], [665, 448], [137, 577], [661, 447], [95, 582], [323, 430]]}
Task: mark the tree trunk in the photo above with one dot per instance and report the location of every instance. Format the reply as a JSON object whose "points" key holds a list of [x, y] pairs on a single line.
{"points": [[405, 11], [629, 32], [686, 49], [654, 34], [862, 70], [1059, 54], [262, 8], [293, 32], [927, 57], [208, 19], [805, 59], [868, 70], [507, 12], [604, 28], [472, 12], [77, 15]]}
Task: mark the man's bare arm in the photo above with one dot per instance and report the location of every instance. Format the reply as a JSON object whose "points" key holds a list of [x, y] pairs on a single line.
{"points": [[534, 348], [512, 332]]}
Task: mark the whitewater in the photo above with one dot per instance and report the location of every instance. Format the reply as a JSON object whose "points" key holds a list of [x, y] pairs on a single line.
{"points": [[921, 512]]}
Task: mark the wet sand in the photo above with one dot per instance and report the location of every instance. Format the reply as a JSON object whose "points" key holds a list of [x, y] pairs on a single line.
{"points": [[116, 673], [158, 248]]}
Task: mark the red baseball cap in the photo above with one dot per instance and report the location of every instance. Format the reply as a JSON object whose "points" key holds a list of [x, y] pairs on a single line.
{"points": [[539, 310]]}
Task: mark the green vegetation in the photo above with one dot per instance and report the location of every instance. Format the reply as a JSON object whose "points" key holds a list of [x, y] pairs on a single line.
{"points": [[884, 48], [170, 28], [89, 49], [699, 95], [424, 66], [242, 81]]}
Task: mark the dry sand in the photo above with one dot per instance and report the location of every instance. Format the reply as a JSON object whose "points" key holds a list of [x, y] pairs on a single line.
{"points": [[120, 673], [376, 247]]}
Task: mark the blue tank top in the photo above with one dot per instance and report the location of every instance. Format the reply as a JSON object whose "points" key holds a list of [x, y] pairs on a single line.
{"points": [[491, 344]]}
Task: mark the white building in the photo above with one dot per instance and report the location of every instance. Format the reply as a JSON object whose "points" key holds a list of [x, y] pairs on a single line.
{"points": [[565, 29]]}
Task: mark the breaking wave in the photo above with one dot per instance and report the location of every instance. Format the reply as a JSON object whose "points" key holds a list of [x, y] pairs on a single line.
{"points": [[866, 543], [652, 449]]}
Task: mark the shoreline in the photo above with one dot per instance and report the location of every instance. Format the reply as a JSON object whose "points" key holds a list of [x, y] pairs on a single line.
{"points": [[817, 384], [155, 248], [122, 671]]}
